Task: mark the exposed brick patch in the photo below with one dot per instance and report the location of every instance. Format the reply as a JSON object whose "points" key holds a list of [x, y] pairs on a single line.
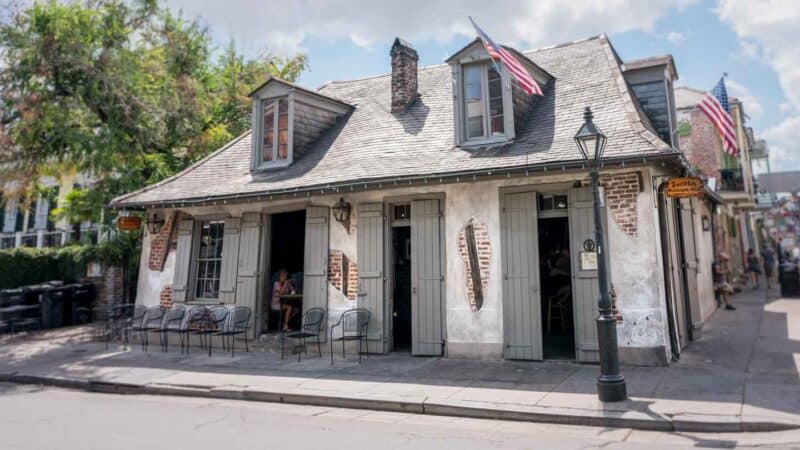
{"points": [[484, 248], [622, 192], [701, 143], [165, 298], [161, 243], [343, 274]]}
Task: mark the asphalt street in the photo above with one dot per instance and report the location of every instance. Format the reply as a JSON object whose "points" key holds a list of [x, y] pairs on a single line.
{"points": [[33, 417]]}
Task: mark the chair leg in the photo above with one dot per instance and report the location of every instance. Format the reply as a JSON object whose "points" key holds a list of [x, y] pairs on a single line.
{"points": [[303, 343], [319, 347], [246, 345], [331, 348], [283, 347]]}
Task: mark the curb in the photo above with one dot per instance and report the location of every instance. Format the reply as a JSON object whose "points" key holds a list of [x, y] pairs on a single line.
{"points": [[684, 423]]}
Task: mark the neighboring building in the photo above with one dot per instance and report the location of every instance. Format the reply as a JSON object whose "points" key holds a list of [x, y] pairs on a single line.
{"points": [[25, 216], [471, 215], [731, 177]]}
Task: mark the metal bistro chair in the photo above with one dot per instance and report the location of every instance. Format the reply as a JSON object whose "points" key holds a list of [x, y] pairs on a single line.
{"points": [[194, 319], [238, 323], [354, 324], [312, 324], [173, 320], [126, 321], [213, 323], [152, 321]]}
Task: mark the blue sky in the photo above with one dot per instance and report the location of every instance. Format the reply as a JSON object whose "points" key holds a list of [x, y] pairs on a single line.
{"points": [[751, 40]]}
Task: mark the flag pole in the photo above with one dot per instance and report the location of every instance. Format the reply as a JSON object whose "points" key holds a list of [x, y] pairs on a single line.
{"points": [[494, 63]]}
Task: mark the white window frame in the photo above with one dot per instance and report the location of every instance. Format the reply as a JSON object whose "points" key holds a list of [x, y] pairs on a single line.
{"points": [[461, 105], [259, 107], [195, 258]]}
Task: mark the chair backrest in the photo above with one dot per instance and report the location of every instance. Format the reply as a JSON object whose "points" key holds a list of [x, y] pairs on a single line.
{"points": [[194, 316], [217, 315], [239, 319], [313, 320], [174, 315], [355, 321], [139, 311], [153, 316]]}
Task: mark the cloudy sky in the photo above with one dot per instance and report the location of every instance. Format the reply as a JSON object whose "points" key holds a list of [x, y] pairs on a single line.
{"points": [[754, 41]]}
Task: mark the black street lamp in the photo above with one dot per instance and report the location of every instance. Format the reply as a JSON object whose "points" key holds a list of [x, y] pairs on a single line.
{"points": [[610, 384]]}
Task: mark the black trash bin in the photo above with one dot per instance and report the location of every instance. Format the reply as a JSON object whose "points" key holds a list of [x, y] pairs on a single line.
{"points": [[790, 281], [81, 303], [54, 303]]}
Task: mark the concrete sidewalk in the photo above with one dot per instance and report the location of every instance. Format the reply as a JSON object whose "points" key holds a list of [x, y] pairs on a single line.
{"points": [[741, 376]]}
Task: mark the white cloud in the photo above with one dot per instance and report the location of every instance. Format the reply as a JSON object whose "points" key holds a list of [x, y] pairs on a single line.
{"points": [[783, 147], [283, 27], [752, 106], [768, 30], [675, 38]]}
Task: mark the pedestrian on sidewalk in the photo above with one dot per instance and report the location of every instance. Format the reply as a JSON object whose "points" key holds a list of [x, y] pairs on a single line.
{"points": [[753, 267], [721, 286], [768, 256]]}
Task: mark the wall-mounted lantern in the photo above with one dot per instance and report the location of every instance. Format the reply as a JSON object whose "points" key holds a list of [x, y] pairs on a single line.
{"points": [[341, 212], [155, 221]]}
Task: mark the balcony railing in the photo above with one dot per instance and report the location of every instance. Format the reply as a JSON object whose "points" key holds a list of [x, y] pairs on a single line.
{"points": [[731, 180]]}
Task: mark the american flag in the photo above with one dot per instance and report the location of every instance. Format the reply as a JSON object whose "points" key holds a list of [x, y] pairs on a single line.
{"points": [[526, 82], [715, 105]]}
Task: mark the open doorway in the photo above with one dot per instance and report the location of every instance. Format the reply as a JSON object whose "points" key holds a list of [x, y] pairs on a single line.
{"points": [[401, 289], [284, 304], [558, 329]]}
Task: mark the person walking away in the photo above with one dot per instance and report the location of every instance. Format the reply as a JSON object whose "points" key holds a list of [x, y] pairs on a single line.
{"points": [[721, 285], [754, 267], [768, 257]]}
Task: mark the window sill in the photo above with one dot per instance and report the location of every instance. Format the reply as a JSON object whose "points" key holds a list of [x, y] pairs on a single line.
{"points": [[485, 142], [272, 166]]}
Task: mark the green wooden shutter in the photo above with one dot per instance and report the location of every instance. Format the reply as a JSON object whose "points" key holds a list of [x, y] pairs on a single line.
{"points": [[230, 260], [522, 317], [370, 268], [427, 315], [182, 261]]}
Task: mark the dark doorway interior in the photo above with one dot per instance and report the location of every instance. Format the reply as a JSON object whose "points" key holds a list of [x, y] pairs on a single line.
{"points": [[558, 332], [287, 246], [401, 313]]}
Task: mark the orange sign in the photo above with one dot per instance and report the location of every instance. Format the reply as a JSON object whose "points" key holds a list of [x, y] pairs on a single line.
{"points": [[129, 223], [684, 187]]}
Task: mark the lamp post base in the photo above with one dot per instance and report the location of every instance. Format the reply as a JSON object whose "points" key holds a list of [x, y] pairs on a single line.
{"points": [[611, 388]]}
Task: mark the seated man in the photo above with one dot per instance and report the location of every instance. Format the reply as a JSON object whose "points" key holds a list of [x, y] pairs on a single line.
{"points": [[721, 285]]}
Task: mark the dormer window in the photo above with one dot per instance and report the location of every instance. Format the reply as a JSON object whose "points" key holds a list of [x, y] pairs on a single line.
{"points": [[483, 102], [276, 130], [287, 121], [488, 104]]}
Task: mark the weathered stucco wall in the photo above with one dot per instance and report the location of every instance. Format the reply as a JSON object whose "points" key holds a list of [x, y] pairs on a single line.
{"points": [[705, 257], [636, 270], [152, 282]]}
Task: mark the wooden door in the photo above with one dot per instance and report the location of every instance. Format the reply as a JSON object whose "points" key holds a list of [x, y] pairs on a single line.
{"points": [[522, 317], [315, 260], [690, 262], [585, 283], [371, 271], [427, 315]]}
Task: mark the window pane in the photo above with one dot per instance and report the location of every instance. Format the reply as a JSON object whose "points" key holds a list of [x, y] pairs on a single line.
{"points": [[473, 98], [269, 125], [209, 260], [283, 129], [495, 101]]}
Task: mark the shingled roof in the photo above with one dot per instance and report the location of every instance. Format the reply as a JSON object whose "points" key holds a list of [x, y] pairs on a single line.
{"points": [[372, 143]]}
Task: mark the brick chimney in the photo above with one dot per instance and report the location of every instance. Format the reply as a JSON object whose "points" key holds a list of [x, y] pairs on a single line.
{"points": [[404, 75]]}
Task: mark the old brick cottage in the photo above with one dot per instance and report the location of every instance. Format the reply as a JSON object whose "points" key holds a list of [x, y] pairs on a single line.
{"points": [[470, 231]]}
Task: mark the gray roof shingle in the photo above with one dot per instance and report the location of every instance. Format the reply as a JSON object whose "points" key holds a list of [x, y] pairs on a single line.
{"points": [[372, 143]]}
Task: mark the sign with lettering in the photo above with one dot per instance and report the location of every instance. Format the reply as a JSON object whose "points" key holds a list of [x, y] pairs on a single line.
{"points": [[588, 260], [684, 187], [129, 223]]}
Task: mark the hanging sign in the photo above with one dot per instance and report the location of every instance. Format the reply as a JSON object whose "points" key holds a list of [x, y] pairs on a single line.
{"points": [[684, 187], [129, 223]]}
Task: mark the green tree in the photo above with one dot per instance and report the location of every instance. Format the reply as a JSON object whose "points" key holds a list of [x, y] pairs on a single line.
{"points": [[125, 90]]}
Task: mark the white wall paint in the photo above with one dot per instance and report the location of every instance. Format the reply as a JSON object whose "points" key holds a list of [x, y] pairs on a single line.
{"points": [[636, 266]]}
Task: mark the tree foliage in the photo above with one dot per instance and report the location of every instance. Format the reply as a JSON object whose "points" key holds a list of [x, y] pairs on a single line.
{"points": [[128, 91]]}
